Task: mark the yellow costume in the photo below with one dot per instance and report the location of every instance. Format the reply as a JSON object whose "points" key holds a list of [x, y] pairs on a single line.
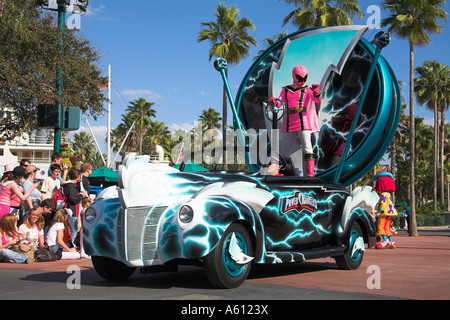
{"points": [[386, 210]]}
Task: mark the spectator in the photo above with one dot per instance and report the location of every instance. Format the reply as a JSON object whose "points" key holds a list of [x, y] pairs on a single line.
{"points": [[86, 202], [47, 210], [74, 197], [15, 206], [57, 158], [33, 228], [9, 237], [51, 183], [24, 163], [10, 186], [55, 236], [85, 172], [34, 199]]}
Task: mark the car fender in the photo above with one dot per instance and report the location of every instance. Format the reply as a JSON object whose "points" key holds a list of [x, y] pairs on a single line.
{"points": [[215, 208], [100, 236], [358, 207]]}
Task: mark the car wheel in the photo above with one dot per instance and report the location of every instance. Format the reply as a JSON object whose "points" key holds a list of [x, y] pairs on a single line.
{"points": [[353, 257], [111, 269], [222, 268]]}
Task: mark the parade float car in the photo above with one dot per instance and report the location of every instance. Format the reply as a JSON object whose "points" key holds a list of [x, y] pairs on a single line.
{"points": [[159, 217]]}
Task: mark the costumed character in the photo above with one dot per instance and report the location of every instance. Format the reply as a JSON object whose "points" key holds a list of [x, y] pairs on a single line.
{"points": [[385, 185], [301, 115]]}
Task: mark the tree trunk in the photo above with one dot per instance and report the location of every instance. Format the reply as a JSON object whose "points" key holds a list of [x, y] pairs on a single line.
{"points": [[442, 156], [436, 155], [412, 144]]}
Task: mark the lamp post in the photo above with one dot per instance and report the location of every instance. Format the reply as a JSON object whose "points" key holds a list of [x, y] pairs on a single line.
{"points": [[61, 7]]}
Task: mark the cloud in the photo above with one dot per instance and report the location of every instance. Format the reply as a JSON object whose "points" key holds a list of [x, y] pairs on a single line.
{"points": [[147, 94], [95, 11], [185, 126]]}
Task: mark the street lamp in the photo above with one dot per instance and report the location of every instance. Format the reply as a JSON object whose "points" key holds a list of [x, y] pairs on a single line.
{"points": [[61, 6]]}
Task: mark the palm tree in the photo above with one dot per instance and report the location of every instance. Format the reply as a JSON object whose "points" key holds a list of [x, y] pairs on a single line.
{"points": [[118, 136], [141, 111], [229, 39], [83, 146], [210, 121], [430, 90], [443, 108], [413, 20], [311, 13], [267, 42], [156, 134]]}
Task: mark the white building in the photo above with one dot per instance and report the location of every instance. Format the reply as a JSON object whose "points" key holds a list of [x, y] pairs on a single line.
{"points": [[37, 148]]}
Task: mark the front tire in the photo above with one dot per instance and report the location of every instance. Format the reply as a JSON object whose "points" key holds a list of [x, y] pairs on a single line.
{"points": [[111, 269], [351, 260], [221, 269]]}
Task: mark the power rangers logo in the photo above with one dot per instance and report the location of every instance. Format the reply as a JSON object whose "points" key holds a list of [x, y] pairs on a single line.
{"points": [[298, 202]]}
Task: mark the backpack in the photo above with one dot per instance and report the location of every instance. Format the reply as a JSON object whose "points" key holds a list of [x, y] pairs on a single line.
{"points": [[59, 198]]}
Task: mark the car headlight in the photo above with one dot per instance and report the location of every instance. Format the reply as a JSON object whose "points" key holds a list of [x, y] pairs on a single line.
{"points": [[185, 214], [90, 214]]}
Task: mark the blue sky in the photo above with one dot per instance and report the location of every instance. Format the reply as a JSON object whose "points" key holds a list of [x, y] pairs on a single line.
{"points": [[153, 52]]}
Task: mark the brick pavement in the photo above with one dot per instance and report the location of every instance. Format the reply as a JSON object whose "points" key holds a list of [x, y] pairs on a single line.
{"points": [[418, 269]]}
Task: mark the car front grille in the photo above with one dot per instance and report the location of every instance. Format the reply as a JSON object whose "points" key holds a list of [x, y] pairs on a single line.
{"points": [[138, 229]]}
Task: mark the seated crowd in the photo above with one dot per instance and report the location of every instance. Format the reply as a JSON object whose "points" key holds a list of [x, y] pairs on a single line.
{"points": [[34, 219]]}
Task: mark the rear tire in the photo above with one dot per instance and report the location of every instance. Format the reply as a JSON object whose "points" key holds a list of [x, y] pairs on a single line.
{"points": [[349, 261], [221, 270], [111, 269]]}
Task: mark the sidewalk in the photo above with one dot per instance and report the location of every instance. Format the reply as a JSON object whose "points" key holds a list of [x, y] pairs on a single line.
{"points": [[60, 265]]}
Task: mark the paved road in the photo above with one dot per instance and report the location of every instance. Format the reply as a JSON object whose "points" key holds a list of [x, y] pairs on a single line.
{"points": [[417, 269]]}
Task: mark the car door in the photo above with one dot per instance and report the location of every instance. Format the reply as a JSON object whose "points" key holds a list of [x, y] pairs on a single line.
{"points": [[301, 214]]}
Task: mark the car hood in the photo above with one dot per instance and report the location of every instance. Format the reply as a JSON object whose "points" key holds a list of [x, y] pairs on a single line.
{"points": [[142, 183]]}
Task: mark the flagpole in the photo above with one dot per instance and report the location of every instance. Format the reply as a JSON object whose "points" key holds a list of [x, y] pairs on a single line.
{"points": [[108, 136]]}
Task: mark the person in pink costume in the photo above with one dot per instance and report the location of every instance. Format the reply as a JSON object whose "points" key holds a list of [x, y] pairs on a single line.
{"points": [[301, 115]]}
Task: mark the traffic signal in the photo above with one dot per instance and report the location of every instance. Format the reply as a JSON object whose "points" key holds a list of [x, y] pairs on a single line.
{"points": [[48, 116], [71, 121]]}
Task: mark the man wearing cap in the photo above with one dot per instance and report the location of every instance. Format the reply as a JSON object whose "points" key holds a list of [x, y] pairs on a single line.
{"points": [[34, 199]]}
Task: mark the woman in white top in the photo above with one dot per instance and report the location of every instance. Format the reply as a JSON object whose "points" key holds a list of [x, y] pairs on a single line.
{"points": [[55, 236], [33, 228]]}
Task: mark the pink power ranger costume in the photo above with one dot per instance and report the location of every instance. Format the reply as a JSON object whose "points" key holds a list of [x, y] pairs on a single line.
{"points": [[301, 115]]}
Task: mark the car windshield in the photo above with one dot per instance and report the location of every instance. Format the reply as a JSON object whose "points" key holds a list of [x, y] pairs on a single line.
{"points": [[213, 161]]}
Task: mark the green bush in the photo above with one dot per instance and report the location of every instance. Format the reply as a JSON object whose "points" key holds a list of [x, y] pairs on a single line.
{"points": [[428, 209], [425, 220]]}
